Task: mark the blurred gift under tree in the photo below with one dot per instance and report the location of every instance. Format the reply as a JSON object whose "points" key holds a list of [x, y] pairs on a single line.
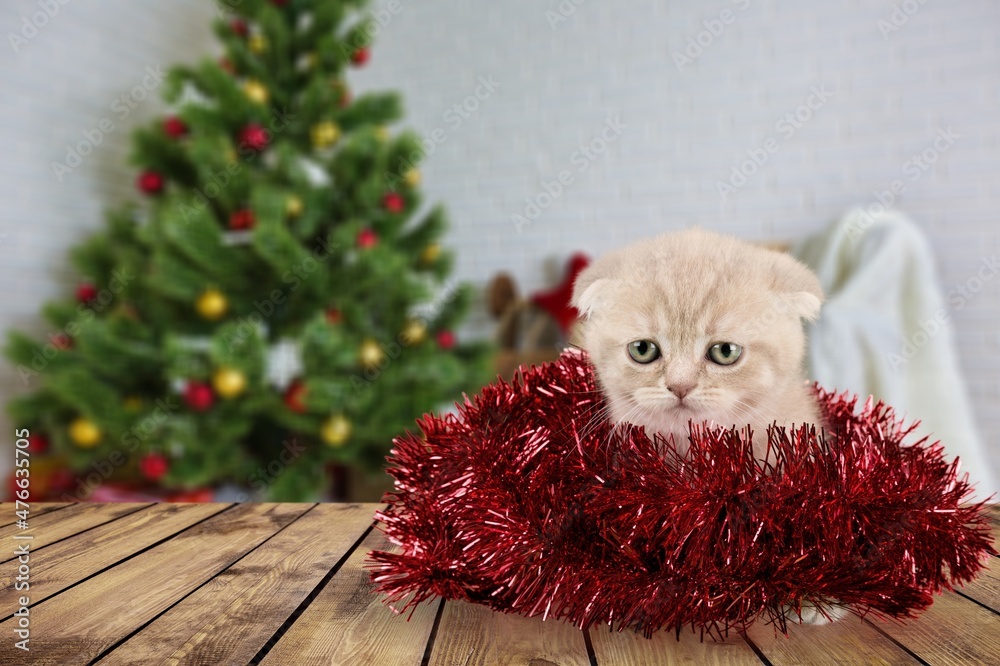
{"points": [[276, 303]]}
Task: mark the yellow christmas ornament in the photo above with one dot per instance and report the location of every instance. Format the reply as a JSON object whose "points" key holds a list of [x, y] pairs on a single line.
{"points": [[258, 44], [430, 254], [325, 134], [293, 206], [336, 430], [412, 177], [415, 332], [256, 92], [370, 354], [229, 382], [211, 304], [84, 433]]}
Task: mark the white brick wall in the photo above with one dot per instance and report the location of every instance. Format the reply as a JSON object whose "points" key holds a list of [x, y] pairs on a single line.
{"points": [[686, 129]]}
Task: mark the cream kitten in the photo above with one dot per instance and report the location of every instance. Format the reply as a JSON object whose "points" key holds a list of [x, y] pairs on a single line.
{"points": [[696, 326]]}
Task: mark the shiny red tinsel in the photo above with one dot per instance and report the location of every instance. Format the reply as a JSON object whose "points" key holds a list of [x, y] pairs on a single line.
{"points": [[524, 503]]}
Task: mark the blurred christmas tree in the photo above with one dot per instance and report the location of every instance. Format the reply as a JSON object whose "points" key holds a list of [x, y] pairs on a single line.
{"points": [[275, 303]]}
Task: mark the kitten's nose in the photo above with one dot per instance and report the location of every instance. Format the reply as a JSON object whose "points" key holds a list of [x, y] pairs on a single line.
{"points": [[681, 390]]}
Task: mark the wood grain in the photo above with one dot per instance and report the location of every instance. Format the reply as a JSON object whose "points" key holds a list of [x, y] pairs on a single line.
{"points": [[57, 525], [229, 619], [79, 624], [474, 635], [36, 509], [848, 641], [986, 587], [953, 631], [629, 648], [74, 559], [348, 623]]}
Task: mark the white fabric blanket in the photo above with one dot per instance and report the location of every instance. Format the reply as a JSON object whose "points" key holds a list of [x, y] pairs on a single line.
{"points": [[885, 330]]}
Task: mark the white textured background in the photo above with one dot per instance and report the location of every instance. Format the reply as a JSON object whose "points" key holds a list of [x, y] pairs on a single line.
{"points": [[558, 85]]}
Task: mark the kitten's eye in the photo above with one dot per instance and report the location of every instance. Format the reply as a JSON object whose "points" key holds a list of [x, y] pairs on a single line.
{"points": [[724, 353], [643, 351]]}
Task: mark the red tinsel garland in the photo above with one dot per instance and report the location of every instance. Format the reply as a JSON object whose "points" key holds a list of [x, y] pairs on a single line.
{"points": [[525, 503]]}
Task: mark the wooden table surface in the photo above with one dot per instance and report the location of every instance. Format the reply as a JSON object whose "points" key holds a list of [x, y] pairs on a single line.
{"points": [[284, 584]]}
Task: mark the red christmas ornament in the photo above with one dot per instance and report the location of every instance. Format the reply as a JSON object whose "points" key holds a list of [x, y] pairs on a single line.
{"points": [[393, 202], [360, 57], [174, 127], [86, 292], [61, 480], [367, 239], [333, 316], [227, 65], [61, 341], [153, 466], [240, 27], [524, 503], [254, 137], [199, 396], [556, 301], [150, 182], [445, 339], [37, 444], [242, 219], [294, 397]]}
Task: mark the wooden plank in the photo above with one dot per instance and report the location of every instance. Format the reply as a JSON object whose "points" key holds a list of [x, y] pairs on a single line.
{"points": [[629, 648], [846, 641], [348, 623], [35, 509], [952, 631], [473, 635], [986, 587], [57, 525], [230, 618], [80, 556], [84, 621]]}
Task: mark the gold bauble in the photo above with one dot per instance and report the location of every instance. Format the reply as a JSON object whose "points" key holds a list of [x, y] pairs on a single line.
{"points": [[324, 134], [258, 44], [84, 433], [412, 177], [414, 332], [430, 254], [293, 206], [256, 92], [211, 304], [229, 382], [370, 354], [335, 430]]}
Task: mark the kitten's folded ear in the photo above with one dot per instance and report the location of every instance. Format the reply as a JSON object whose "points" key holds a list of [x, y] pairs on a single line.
{"points": [[797, 286], [589, 290]]}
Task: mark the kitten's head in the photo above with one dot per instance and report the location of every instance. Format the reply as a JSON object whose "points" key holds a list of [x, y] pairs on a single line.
{"points": [[696, 326]]}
